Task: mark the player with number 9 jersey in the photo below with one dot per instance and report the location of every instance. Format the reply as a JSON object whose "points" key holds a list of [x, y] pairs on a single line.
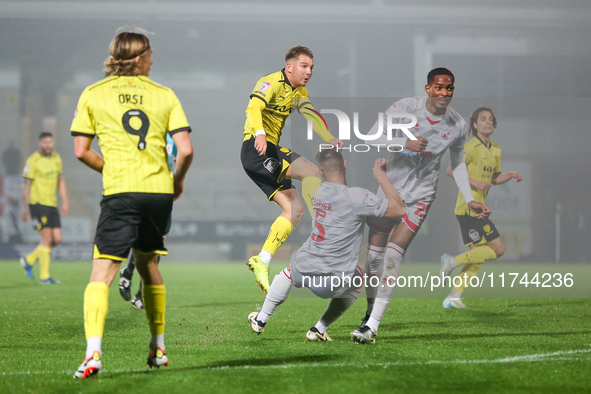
{"points": [[130, 115]]}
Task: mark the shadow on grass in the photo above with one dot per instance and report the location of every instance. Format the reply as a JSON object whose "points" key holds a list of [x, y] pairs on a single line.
{"points": [[214, 304], [226, 364]]}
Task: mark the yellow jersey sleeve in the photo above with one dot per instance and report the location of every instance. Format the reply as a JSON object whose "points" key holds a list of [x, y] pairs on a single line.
{"points": [[177, 120], [271, 103], [266, 88], [59, 165], [319, 125], [254, 114], [497, 169], [83, 122], [29, 170], [263, 93], [470, 153]]}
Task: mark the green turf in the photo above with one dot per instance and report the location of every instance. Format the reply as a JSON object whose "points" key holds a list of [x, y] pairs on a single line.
{"points": [[498, 345]]}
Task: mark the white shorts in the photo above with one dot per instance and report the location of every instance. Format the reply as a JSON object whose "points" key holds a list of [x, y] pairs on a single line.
{"points": [[413, 218]]}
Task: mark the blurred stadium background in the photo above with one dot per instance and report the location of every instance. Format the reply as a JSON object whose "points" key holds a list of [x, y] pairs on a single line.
{"points": [[533, 55]]}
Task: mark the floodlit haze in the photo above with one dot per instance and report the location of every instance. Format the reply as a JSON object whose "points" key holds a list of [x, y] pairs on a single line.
{"points": [[528, 60]]}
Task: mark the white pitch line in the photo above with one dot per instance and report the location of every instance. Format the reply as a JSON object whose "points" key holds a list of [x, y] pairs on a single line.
{"points": [[530, 357]]}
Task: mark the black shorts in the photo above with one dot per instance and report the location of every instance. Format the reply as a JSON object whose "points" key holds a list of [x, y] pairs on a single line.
{"points": [[268, 171], [44, 216], [138, 220], [476, 231]]}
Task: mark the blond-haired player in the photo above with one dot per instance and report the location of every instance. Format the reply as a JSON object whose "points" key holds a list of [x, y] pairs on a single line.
{"points": [[271, 166], [130, 115]]}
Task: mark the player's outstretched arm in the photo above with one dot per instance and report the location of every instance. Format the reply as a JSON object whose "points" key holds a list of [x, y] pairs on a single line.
{"points": [[64, 195], [86, 155], [319, 125], [396, 208], [183, 160], [499, 179]]}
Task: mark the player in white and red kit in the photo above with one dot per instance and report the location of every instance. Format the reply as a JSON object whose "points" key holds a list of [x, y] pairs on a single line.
{"points": [[414, 172], [327, 262]]}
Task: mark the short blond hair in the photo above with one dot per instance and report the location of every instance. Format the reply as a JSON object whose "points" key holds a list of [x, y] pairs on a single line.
{"points": [[124, 48], [296, 51]]}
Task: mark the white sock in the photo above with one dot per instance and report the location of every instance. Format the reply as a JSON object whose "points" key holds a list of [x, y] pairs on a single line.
{"points": [[262, 317], [452, 262], [278, 293], [392, 261], [266, 257], [93, 344], [373, 324], [454, 295], [157, 341], [321, 327], [374, 267]]}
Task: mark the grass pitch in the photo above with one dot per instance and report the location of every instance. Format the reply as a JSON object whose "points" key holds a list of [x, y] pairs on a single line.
{"points": [[498, 345]]}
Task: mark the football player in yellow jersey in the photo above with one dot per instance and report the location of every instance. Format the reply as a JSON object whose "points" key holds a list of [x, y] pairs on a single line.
{"points": [[42, 176], [483, 158], [271, 166], [130, 115]]}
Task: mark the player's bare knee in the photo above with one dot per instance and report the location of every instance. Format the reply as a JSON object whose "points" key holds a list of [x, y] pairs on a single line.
{"points": [[499, 249], [296, 215]]}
